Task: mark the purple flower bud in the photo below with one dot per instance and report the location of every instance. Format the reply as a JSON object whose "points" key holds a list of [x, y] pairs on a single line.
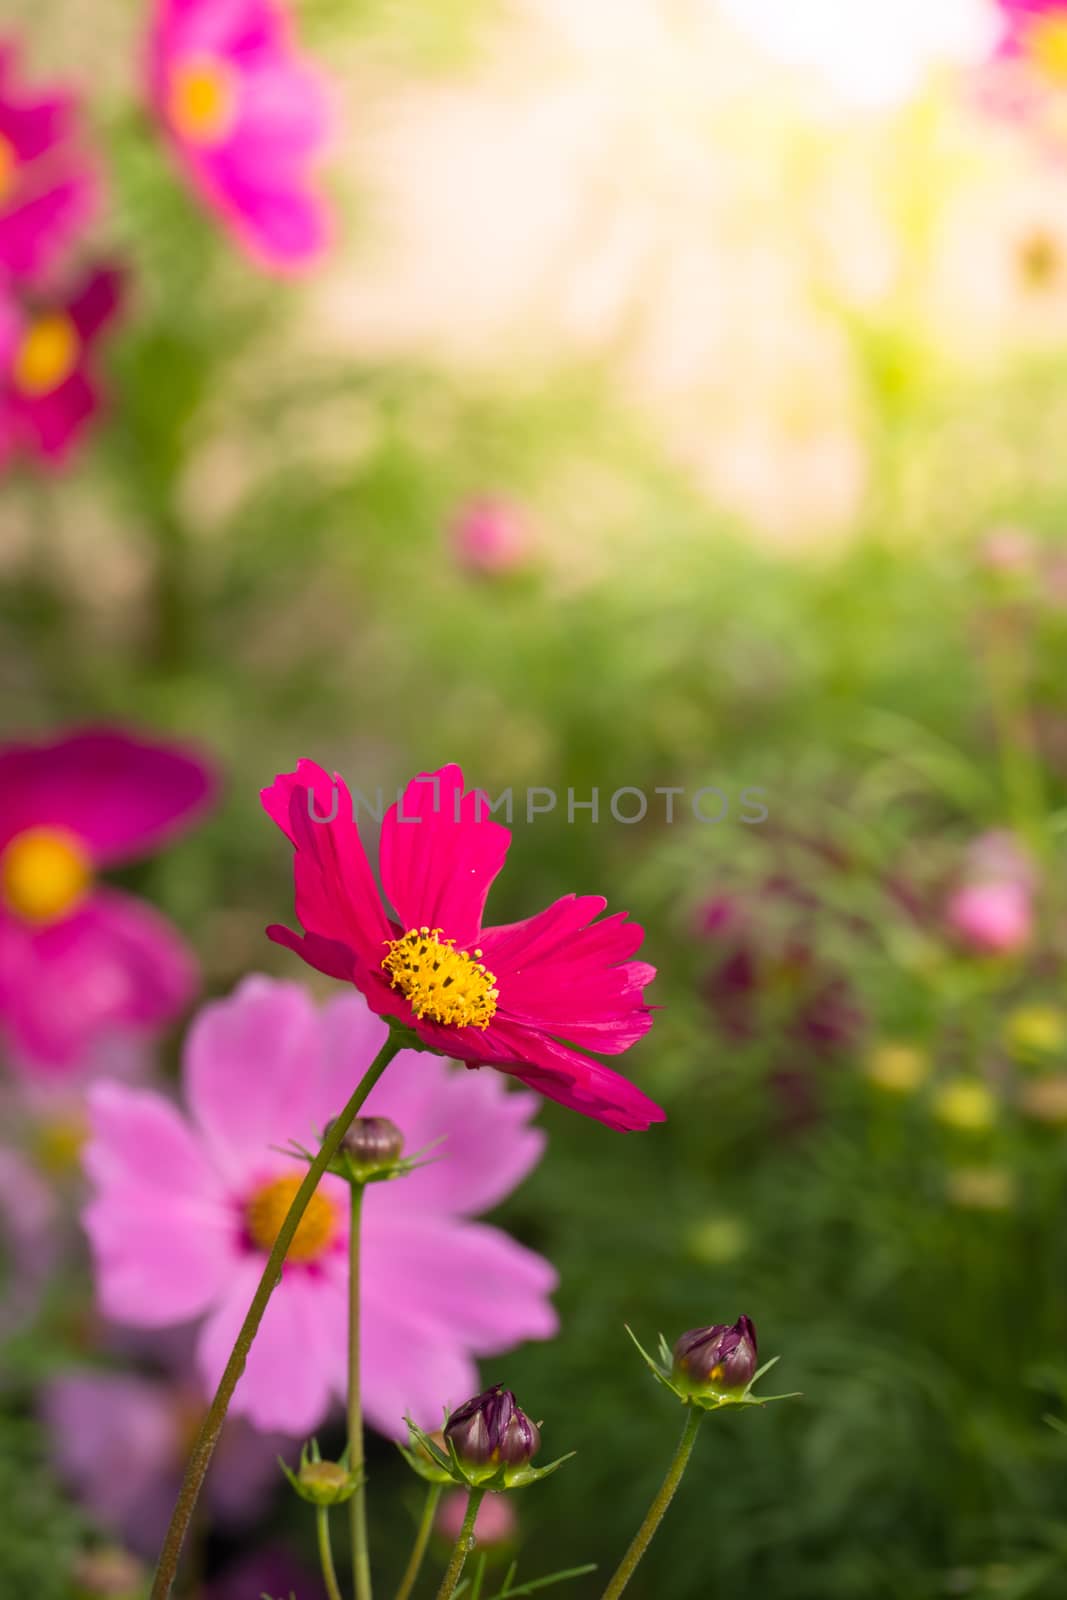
{"points": [[373, 1142], [490, 1430], [719, 1357]]}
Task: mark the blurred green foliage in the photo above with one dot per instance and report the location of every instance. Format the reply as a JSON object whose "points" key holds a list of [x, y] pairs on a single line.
{"points": [[257, 556]]}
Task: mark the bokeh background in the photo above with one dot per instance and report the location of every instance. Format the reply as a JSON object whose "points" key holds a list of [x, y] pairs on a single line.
{"points": [[680, 401]]}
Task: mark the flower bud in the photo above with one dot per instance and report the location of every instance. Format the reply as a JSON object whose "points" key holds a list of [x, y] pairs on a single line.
{"points": [[720, 1358], [373, 1142], [491, 1431], [324, 1483]]}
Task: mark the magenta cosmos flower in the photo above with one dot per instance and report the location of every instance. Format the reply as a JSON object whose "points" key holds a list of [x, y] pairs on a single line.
{"points": [[48, 391], [246, 119], [79, 961], [530, 998], [48, 189], [186, 1210], [491, 538]]}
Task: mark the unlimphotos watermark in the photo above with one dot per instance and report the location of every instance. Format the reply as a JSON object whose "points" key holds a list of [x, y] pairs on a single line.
{"points": [[626, 805]]}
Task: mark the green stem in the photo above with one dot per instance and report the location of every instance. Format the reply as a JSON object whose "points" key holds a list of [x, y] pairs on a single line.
{"points": [[422, 1539], [462, 1545], [357, 1505], [200, 1458], [329, 1571], [643, 1537]]}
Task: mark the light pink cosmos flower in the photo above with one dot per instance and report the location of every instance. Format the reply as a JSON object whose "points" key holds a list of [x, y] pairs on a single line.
{"points": [[187, 1207], [491, 537], [530, 998], [48, 391], [48, 189], [120, 1441], [991, 909], [246, 119], [79, 961]]}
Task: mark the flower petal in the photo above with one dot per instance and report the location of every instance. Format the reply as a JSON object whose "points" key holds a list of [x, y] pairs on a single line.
{"points": [[440, 852], [485, 1292], [337, 900], [569, 1077], [564, 974], [114, 964], [409, 1369], [286, 1384], [163, 1233], [252, 1065], [122, 795]]}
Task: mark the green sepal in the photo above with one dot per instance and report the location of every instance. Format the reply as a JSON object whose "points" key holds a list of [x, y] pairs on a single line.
{"points": [[444, 1466], [332, 1490]]}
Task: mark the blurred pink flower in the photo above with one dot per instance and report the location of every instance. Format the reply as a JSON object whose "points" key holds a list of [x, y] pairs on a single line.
{"points": [[78, 961], [992, 918], [496, 1522], [48, 393], [246, 119], [120, 1442], [48, 188], [529, 998], [991, 909], [491, 537], [186, 1209], [29, 1242]]}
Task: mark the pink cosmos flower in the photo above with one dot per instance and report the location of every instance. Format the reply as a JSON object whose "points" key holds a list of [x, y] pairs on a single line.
{"points": [[529, 998], [79, 961], [991, 910], [120, 1442], [490, 537], [187, 1207], [48, 392], [48, 189], [246, 119], [991, 918]]}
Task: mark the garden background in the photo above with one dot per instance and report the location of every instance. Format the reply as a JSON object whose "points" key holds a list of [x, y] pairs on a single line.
{"points": [[678, 400]]}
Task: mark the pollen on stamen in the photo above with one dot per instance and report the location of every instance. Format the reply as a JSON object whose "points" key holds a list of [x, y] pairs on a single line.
{"points": [[441, 983]]}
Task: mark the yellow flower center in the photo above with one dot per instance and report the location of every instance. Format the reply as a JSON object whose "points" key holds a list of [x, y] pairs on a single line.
{"points": [[442, 983], [8, 165], [44, 872], [203, 100], [47, 354], [266, 1211], [1046, 45], [58, 1145]]}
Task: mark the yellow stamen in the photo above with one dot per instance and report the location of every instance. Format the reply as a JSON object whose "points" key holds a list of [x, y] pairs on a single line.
{"points": [[203, 100], [442, 983], [58, 1145], [266, 1211], [1046, 45], [47, 354], [44, 873], [9, 162]]}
